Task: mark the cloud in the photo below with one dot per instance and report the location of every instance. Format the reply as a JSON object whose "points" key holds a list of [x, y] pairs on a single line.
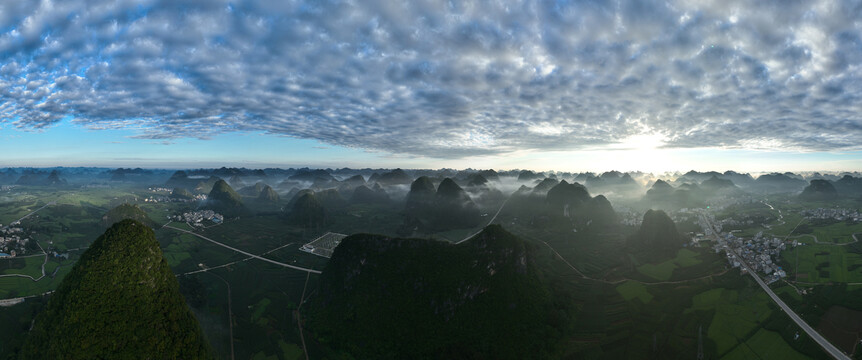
{"points": [[442, 79]]}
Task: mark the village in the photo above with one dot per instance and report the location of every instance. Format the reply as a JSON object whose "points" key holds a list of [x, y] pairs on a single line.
{"points": [[832, 214], [13, 242], [196, 218], [759, 252], [168, 199]]}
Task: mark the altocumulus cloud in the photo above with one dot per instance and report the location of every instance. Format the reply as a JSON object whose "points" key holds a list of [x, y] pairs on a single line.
{"points": [[440, 78]]}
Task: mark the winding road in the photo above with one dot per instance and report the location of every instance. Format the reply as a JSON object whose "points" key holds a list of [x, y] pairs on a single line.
{"points": [[246, 253], [489, 222]]}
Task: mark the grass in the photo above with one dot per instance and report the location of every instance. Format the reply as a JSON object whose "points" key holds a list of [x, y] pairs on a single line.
{"points": [[32, 266], [686, 258], [708, 299], [737, 314], [259, 308], [839, 233], [834, 262], [741, 352], [634, 290], [769, 345], [290, 351], [661, 271], [18, 286], [664, 270]]}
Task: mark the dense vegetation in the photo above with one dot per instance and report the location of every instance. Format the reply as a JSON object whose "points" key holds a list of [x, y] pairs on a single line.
{"points": [[223, 199], [126, 211], [447, 207], [657, 231], [181, 194], [392, 298], [819, 190], [267, 195], [307, 211], [120, 301]]}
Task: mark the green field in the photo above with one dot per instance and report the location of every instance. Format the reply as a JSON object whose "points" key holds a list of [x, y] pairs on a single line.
{"points": [[664, 270], [823, 264], [741, 352], [32, 266], [766, 345], [839, 233], [634, 290], [737, 314]]}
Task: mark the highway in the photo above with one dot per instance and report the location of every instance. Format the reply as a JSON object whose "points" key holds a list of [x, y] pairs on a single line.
{"points": [[246, 253], [825, 344]]}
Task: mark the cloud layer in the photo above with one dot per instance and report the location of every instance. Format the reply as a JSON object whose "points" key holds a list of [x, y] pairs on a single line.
{"points": [[443, 79]]}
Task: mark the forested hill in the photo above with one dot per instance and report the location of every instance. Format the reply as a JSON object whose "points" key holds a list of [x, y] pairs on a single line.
{"points": [[126, 211], [393, 298], [120, 301]]}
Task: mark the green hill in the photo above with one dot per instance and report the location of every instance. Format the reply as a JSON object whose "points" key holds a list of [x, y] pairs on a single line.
{"points": [[819, 190], [223, 199], [120, 301], [453, 208], [307, 211], [421, 194], [267, 195], [394, 298], [715, 183], [544, 186], [564, 195], [126, 211], [659, 190], [657, 231], [181, 194], [253, 191], [364, 195], [601, 212]]}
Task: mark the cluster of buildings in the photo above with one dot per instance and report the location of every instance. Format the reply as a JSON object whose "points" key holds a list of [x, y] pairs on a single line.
{"points": [[631, 218], [760, 253], [832, 213], [196, 218], [165, 199], [6, 187], [12, 241], [96, 186], [159, 189], [719, 203]]}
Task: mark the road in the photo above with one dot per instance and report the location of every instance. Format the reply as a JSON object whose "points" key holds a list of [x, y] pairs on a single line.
{"points": [[43, 266], [855, 240], [37, 244], [825, 344], [232, 262], [489, 222], [18, 300], [33, 212], [246, 253], [229, 313]]}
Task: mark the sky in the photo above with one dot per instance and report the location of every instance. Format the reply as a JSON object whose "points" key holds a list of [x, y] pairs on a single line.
{"points": [[753, 86]]}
